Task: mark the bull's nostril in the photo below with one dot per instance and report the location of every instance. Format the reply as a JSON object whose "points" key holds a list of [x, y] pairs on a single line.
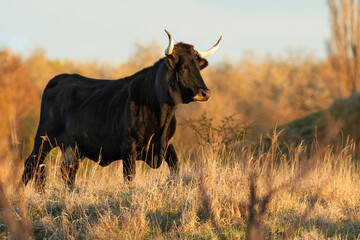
{"points": [[206, 93], [202, 95]]}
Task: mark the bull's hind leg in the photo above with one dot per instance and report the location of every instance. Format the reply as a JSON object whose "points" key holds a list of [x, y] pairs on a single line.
{"points": [[70, 165], [172, 160], [34, 164]]}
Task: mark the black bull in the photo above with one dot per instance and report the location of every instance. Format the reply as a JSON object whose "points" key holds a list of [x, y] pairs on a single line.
{"points": [[106, 120]]}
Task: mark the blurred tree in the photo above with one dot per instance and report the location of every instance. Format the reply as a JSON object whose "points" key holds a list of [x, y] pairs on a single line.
{"points": [[344, 47], [41, 69], [144, 56], [19, 99]]}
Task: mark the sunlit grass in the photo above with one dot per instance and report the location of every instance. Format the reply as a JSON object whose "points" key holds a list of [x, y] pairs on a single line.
{"points": [[315, 197]]}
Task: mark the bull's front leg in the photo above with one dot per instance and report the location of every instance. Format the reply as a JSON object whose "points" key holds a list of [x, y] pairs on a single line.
{"points": [[172, 160], [129, 162], [70, 165]]}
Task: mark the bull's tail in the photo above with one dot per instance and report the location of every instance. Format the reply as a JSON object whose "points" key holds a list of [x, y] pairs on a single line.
{"points": [[54, 81]]}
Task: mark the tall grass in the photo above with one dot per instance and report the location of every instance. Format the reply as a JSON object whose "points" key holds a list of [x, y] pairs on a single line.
{"points": [[256, 195]]}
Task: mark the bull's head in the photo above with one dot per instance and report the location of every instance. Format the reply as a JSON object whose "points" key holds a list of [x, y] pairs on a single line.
{"points": [[184, 64]]}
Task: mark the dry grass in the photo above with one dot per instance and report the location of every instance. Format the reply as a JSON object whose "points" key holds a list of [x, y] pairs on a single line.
{"points": [[218, 195], [232, 192]]}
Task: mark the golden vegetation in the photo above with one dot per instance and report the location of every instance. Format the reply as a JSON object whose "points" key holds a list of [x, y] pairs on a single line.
{"points": [[218, 195]]}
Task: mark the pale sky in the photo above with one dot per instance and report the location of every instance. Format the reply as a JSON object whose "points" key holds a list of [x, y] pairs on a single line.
{"points": [[107, 30]]}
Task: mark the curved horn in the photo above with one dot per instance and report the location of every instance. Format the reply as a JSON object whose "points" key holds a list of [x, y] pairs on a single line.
{"points": [[170, 48], [204, 54]]}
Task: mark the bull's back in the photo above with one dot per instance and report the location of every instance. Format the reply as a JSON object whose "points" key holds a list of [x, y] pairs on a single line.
{"points": [[69, 91], [63, 96], [74, 82]]}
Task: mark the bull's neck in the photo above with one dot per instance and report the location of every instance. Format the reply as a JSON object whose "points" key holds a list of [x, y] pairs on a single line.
{"points": [[149, 86], [163, 100]]}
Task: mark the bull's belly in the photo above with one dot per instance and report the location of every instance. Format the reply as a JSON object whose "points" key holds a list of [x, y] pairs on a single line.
{"points": [[105, 159], [103, 156]]}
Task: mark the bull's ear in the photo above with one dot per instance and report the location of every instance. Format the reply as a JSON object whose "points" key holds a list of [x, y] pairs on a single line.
{"points": [[170, 60], [202, 62]]}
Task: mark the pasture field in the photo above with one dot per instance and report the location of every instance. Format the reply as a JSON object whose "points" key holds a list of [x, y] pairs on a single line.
{"points": [[230, 185], [233, 193]]}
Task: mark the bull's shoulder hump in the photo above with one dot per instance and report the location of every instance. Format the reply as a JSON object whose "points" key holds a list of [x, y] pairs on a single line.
{"points": [[55, 80]]}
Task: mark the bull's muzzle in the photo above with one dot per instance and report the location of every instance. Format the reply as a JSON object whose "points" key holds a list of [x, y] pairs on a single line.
{"points": [[202, 95]]}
